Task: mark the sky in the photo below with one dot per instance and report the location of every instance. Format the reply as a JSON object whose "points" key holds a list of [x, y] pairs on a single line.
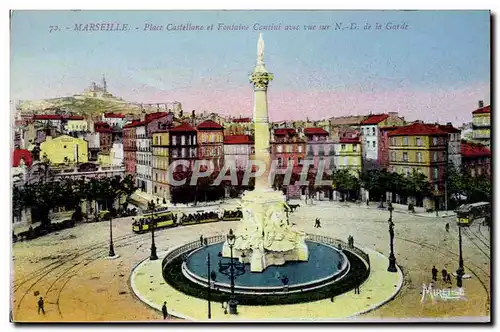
{"points": [[436, 69]]}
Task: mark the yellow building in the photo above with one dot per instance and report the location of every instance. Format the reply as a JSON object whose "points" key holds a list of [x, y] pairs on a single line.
{"points": [[481, 125], [76, 125], [64, 149], [160, 150], [348, 155], [421, 148], [105, 159]]}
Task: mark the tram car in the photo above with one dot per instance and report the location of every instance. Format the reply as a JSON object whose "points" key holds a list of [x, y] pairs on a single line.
{"points": [[198, 218], [163, 217], [232, 215], [479, 212]]}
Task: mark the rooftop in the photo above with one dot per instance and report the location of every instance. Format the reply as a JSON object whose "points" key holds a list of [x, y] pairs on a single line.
{"points": [[238, 139], [315, 131], [374, 119], [285, 131], [114, 115], [209, 125], [418, 128], [186, 127], [485, 109], [474, 150], [349, 140]]}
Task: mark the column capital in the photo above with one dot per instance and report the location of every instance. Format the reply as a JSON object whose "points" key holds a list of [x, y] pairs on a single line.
{"points": [[260, 80]]}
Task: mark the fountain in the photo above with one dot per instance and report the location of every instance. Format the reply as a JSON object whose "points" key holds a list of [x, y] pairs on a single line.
{"points": [[265, 236]]}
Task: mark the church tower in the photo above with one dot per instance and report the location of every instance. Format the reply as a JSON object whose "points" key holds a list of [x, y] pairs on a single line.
{"points": [[104, 85]]}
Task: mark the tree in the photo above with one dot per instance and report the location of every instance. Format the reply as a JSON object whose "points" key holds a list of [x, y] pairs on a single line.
{"points": [[345, 182], [417, 185]]}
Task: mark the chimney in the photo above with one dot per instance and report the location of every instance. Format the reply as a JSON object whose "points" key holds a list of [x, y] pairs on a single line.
{"points": [[480, 104], [448, 124]]}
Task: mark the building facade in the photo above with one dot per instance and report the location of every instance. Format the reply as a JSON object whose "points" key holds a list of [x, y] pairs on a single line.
{"points": [[160, 147], [288, 149], [319, 147], [238, 149], [130, 148], [421, 148], [454, 151], [348, 155], [64, 149], [211, 143], [476, 159], [481, 124], [144, 171]]}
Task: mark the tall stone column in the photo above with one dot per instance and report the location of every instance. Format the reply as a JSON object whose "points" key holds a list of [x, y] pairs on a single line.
{"points": [[260, 79]]}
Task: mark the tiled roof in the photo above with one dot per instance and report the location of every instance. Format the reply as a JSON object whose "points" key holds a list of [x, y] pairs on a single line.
{"points": [[349, 140], [21, 154], [417, 128], [47, 117], [374, 119], [153, 116], [242, 120], [285, 131], [450, 129], [315, 131], [485, 109], [238, 139], [102, 127], [134, 123], [183, 127], [209, 125], [75, 117], [474, 150], [114, 116]]}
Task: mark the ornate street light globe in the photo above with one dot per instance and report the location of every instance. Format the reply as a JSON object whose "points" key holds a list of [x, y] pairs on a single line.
{"points": [[231, 238]]}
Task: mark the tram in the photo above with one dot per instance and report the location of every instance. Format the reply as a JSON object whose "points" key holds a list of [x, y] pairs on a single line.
{"points": [[162, 216], [468, 213]]}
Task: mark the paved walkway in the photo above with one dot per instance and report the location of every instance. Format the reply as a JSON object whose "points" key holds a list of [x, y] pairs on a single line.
{"points": [[381, 286]]}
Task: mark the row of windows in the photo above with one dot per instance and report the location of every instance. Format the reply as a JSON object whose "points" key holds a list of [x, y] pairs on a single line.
{"points": [[418, 156], [418, 141], [368, 131]]}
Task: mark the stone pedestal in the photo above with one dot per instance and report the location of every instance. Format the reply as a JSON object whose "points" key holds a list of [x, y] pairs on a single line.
{"points": [[264, 236]]}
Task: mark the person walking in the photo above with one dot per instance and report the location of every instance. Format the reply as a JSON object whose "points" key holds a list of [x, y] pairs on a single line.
{"points": [[356, 289], [40, 306], [319, 223], [201, 240], [444, 273], [434, 273], [447, 227], [164, 310]]}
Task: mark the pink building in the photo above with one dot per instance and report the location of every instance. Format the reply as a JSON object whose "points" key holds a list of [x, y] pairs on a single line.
{"points": [[238, 149], [319, 147]]}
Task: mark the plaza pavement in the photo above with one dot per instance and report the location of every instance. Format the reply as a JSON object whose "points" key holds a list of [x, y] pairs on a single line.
{"points": [[70, 270]]}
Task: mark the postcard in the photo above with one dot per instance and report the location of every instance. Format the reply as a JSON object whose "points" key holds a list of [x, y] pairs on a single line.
{"points": [[250, 166]]}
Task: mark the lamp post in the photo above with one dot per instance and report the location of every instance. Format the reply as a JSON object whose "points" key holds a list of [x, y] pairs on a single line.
{"points": [[210, 276], [235, 269], [152, 225], [111, 247], [392, 258], [460, 271]]}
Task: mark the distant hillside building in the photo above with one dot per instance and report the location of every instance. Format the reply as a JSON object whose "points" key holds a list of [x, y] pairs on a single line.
{"points": [[95, 90]]}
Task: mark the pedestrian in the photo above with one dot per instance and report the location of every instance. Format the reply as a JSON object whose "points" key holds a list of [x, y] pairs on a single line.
{"points": [[356, 289], [40, 306], [434, 273], [444, 273], [164, 310], [319, 223], [447, 227], [316, 223], [201, 240]]}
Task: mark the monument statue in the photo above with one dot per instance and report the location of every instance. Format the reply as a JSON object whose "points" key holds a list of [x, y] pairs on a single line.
{"points": [[265, 236], [260, 49]]}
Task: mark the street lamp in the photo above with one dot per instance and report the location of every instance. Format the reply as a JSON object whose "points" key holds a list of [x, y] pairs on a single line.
{"points": [[460, 271], [235, 269], [392, 258], [152, 225], [210, 276], [111, 247]]}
